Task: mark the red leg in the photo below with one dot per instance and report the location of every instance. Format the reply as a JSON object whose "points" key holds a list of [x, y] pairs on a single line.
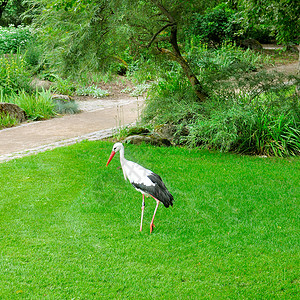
{"points": [[143, 207], [151, 224]]}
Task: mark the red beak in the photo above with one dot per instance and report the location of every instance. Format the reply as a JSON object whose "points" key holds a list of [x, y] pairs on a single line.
{"points": [[111, 156]]}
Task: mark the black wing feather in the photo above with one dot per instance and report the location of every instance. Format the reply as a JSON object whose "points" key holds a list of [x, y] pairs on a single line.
{"points": [[158, 191]]}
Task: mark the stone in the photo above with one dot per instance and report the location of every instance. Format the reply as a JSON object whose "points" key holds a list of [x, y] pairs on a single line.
{"points": [[38, 84], [138, 131], [166, 131], [148, 139], [13, 110], [65, 98], [252, 44]]}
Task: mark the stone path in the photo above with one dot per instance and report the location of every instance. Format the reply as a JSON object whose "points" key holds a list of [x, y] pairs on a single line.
{"points": [[98, 120]]}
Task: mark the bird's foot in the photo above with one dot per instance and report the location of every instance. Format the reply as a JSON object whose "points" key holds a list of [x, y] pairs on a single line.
{"points": [[151, 227]]}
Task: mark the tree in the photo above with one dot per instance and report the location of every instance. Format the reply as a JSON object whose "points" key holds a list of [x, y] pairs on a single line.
{"points": [[11, 12], [154, 24]]}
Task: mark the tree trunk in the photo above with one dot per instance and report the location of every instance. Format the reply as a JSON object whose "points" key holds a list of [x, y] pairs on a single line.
{"points": [[298, 59], [176, 55]]}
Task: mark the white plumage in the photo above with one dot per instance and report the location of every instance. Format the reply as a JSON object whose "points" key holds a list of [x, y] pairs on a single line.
{"points": [[144, 181]]}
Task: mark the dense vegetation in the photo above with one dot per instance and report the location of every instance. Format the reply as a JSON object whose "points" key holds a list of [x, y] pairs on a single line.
{"points": [[214, 91]]}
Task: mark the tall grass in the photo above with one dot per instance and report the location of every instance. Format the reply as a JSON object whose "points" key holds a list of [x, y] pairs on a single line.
{"points": [[14, 75], [7, 121], [37, 106], [246, 112]]}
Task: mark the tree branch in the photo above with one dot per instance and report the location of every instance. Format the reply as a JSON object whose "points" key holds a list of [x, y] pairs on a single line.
{"points": [[164, 11], [158, 32]]}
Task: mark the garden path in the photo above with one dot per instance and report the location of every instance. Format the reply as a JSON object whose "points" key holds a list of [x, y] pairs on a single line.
{"points": [[98, 119]]}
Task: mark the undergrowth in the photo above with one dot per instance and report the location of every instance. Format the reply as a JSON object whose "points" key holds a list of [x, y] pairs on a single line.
{"points": [[7, 121], [37, 106], [246, 112]]}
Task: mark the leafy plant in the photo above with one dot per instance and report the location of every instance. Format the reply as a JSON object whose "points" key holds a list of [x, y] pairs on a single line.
{"points": [[37, 106], [14, 38], [216, 25], [92, 90], [140, 90], [14, 75], [66, 107], [7, 121], [63, 86]]}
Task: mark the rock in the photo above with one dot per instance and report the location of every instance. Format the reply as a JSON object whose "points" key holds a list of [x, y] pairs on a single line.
{"points": [[13, 110], [252, 44], [166, 131], [137, 131], [148, 139], [40, 84], [62, 98], [172, 133]]}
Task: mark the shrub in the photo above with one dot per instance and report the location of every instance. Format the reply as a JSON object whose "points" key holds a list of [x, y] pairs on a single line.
{"points": [[63, 86], [66, 107], [14, 38], [7, 121], [13, 74], [37, 106], [170, 100], [252, 114], [216, 25], [92, 91]]}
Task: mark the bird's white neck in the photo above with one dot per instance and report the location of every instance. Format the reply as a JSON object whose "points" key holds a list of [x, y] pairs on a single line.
{"points": [[122, 157], [123, 161]]}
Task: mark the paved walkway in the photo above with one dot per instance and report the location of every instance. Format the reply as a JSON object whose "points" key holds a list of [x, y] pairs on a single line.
{"points": [[97, 121]]}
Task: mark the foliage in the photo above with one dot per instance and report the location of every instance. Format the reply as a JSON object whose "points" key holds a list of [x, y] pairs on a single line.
{"points": [[250, 127], [169, 100], [66, 107], [282, 16], [63, 86], [253, 113], [7, 121], [221, 63], [34, 57], [92, 90], [11, 12], [38, 106], [74, 39], [14, 75], [14, 38], [216, 25], [77, 236]]}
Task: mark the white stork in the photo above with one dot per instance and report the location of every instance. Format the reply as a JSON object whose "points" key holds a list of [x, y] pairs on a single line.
{"points": [[144, 181]]}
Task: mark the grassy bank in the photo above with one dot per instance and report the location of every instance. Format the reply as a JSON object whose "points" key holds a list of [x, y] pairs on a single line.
{"points": [[70, 226]]}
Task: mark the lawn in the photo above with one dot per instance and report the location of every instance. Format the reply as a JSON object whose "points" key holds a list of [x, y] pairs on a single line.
{"points": [[70, 226]]}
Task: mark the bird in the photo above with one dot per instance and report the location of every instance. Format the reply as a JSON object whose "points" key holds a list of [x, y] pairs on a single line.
{"points": [[144, 181]]}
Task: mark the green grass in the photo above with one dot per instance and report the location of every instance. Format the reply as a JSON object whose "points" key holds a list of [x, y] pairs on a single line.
{"points": [[70, 226]]}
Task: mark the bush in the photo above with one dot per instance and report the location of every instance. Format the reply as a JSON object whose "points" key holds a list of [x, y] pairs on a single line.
{"points": [[92, 91], [251, 113], [170, 100], [216, 25], [13, 74], [14, 38], [7, 121], [38, 106], [66, 107]]}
